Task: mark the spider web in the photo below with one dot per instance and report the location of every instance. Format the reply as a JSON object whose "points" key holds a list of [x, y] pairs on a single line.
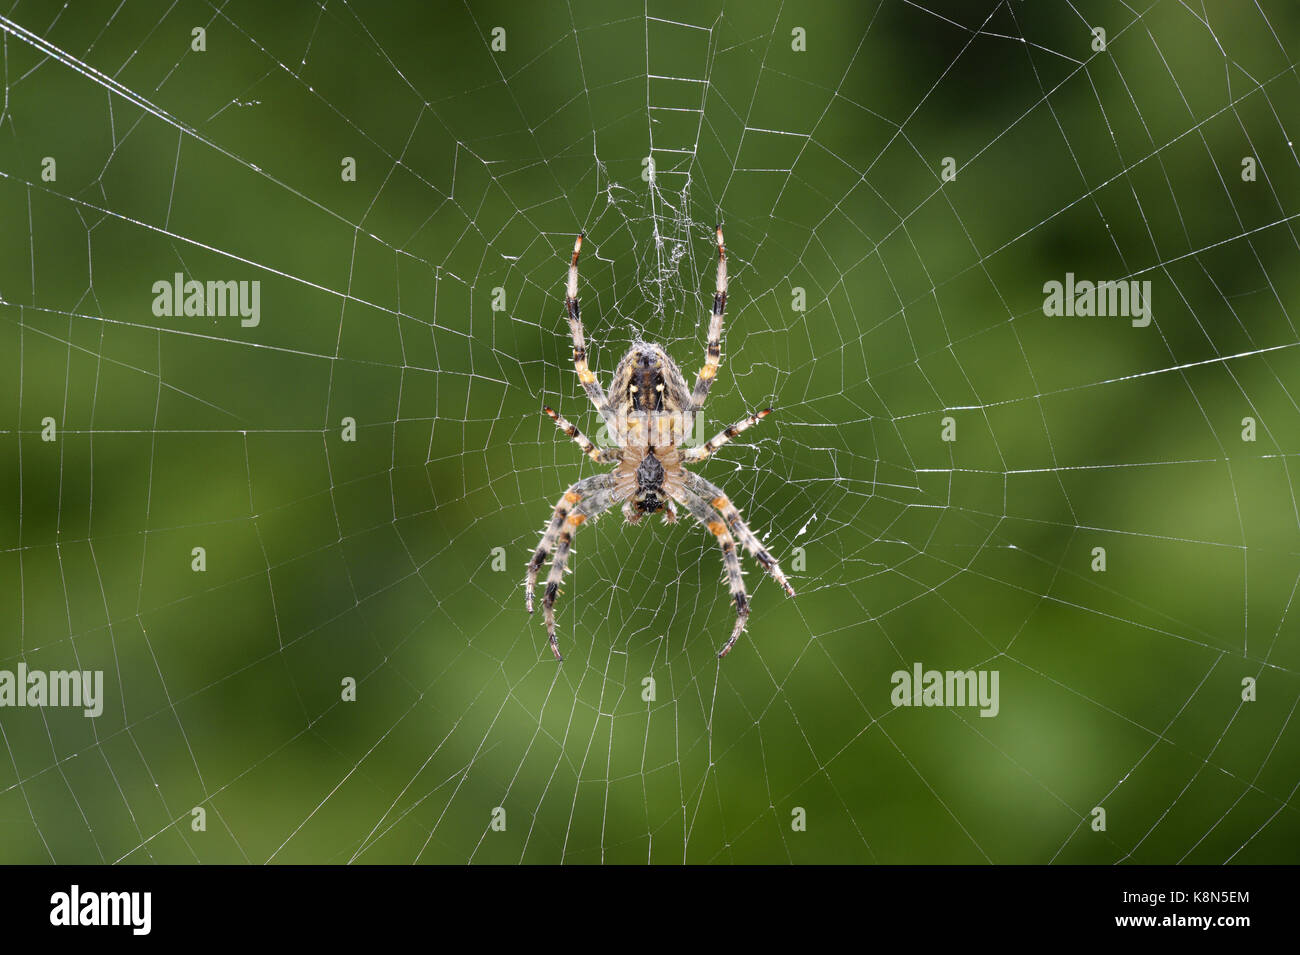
{"points": [[871, 298]]}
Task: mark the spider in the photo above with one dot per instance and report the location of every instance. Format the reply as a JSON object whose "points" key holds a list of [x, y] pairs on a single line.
{"points": [[650, 413]]}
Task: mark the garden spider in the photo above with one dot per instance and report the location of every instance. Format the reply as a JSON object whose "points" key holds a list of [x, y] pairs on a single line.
{"points": [[651, 415]]}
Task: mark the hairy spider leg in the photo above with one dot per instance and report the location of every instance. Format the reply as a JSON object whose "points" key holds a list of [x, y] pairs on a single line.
{"points": [[599, 455], [589, 498], [717, 499], [724, 436], [585, 375], [701, 511], [713, 353]]}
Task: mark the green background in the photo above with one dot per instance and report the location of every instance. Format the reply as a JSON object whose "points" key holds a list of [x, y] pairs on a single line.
{"points": [[374, 559]]}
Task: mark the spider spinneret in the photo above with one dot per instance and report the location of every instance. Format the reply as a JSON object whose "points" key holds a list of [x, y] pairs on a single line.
{"points": [[650, 413]]}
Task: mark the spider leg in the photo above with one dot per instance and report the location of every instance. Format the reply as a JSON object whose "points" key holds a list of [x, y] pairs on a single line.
{"points": [[714, 351], [716, 498], [575, 494], [599, 455], [701, 511], [585, 375], [591, 507], [722, 437]]}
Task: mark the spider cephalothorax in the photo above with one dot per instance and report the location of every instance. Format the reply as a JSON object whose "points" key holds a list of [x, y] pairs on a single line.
{"points": [[650, 413]]}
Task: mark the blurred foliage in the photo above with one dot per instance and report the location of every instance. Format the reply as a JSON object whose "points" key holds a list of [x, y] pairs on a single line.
{"points": [[374, 559]]}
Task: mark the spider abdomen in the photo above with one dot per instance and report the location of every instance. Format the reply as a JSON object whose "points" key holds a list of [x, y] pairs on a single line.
{"points": [[650, 494]]}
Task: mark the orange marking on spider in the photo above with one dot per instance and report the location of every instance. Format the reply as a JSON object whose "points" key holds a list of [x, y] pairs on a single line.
{"points": [[648, 474]]}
